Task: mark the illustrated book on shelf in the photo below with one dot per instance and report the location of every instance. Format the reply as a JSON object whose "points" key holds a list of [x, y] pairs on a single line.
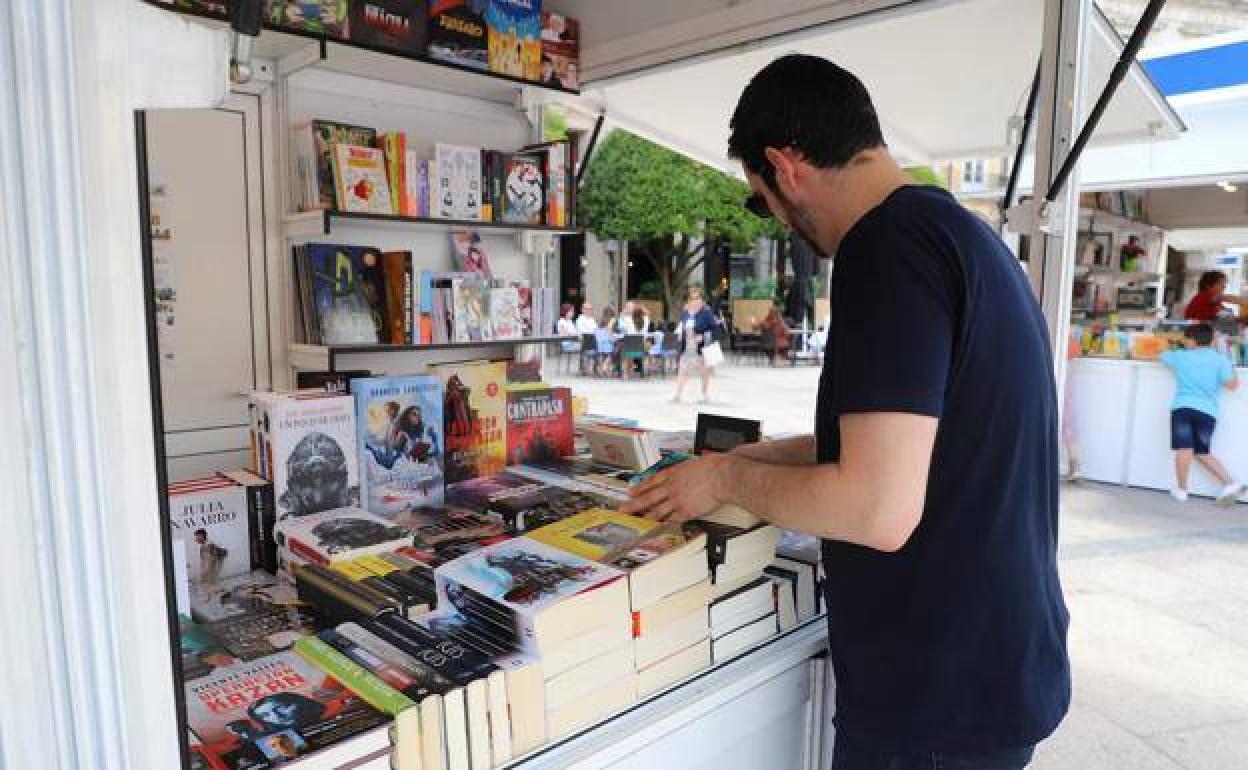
{"points": [[397, 25], [514, 35], [361, 184], [325, 135], [523, 199], [539, 424], [343, 288], [324, 17], [457, 33], [399, 421], [561, 49], [209, 516], [457, 185]]}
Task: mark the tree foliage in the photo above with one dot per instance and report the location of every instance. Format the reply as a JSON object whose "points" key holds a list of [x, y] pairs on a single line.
{"points": [[666, 207]]}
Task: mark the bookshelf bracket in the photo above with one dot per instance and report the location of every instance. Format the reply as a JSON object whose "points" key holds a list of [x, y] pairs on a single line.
{"points": [[302, 58]]}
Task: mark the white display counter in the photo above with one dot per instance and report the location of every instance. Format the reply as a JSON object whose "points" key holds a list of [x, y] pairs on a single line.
{"points": [[1122, 425]]}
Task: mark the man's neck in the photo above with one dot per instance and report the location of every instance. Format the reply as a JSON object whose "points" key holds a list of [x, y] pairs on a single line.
{"points": [[853, 191]]}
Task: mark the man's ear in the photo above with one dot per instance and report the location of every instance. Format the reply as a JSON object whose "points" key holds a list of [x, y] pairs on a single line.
{"points": [[787, 170]]}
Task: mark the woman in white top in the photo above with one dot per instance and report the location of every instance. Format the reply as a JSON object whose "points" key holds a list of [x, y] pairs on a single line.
{"points": [[566, 327], [585, 323]]}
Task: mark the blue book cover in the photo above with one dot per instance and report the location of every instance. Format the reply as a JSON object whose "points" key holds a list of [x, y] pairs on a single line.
{"points": [[399, 420], [348, 289], [515, 45]]}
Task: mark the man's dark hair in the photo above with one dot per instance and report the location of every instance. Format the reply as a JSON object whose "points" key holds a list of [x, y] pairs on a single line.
{"points": [[1201, 334], [203, 532], [807, 103], [1210, 278]]}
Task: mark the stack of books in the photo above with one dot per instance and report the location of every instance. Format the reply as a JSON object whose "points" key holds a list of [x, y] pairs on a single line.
{"points": [[738, 557], [668, 587], [571, 613], [337, 535]]}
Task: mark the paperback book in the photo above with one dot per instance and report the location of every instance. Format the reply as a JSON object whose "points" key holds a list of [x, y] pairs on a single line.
{"points": [[211, 520], [264, 713], [360, 181], [323, 17], [469, 253], [457, 33], [348, 291], [474, 418], [399, 421], [539, 425], [309, 451], [340, 534], [515, 46], [398, 25], [523, 199], [561, 50], [325, 135], [457, 194]]}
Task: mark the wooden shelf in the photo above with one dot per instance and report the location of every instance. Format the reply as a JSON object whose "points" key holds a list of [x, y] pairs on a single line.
{"points": [[293, 50], [325, 357], [317, 224]]}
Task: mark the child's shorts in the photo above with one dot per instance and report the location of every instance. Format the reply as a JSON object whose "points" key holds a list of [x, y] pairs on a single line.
{"points": [[1191, 429]]}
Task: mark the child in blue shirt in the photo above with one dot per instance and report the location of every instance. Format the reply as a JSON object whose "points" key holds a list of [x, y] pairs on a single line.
{"points": [[1200, 373]]}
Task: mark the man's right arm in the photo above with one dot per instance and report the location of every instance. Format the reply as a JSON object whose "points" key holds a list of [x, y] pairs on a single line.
{"points": [[799, 450]]}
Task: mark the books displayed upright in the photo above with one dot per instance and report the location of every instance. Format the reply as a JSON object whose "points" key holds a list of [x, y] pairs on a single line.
{"points": [[474, 418], [306, 445], [457, 189], [399, 422], [361, 183], [209, 516], [514, 38], [539, 424], [341, 294]]}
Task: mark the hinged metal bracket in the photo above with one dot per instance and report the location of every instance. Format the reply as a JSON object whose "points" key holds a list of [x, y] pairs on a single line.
{"points": [[1033, 215]]}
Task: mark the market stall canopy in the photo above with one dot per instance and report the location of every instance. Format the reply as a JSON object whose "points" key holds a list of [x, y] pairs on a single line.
{"points": [[946, 76]]}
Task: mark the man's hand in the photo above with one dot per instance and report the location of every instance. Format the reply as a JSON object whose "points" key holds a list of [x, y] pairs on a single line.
{"points": [[682, 492]]}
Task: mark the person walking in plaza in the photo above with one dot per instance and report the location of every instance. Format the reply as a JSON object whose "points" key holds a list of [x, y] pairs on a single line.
{"points": [[696, 329], [931, 473], [1200, 374]]}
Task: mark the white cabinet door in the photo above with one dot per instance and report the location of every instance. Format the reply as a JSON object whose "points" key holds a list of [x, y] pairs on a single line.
{"points": [[205, 172]]}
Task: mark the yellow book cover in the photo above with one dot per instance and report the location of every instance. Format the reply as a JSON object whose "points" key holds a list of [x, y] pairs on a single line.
{"points": [[596, 534], [374, 565], [360, 179], [352, 570]]}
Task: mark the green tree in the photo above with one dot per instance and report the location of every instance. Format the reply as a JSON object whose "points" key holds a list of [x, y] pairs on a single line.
{"points": [[666, 206]]}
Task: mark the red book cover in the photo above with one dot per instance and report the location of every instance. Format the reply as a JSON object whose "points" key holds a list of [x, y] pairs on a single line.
{"points": [[539, 424]]}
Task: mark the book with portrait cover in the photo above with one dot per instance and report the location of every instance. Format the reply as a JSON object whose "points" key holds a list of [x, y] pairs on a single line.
{"points": [[210, 517], [469, 253], [399, 421], [264, 713], [457, 33], [539, 424], [474, 418], [505, 320], [326, 134], [561, 51], [515, 46], [523, 199], [309, 451]]}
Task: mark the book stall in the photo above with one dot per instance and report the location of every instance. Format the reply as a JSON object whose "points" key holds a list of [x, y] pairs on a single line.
{"points": [[409, 555]]}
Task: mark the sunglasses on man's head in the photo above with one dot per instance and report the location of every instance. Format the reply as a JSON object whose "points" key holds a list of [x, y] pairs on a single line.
{"points": [[756, 204]]}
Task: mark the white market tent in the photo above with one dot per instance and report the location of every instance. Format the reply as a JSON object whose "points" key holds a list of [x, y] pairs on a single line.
{"points": [[946, 76]]}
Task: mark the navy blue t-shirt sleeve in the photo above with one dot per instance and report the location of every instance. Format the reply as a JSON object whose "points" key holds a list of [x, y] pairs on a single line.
{"points": [[894, 314]]}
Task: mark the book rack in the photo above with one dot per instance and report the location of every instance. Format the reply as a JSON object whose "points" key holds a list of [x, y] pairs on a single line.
{"points": [[326, 357], [315, 224]]}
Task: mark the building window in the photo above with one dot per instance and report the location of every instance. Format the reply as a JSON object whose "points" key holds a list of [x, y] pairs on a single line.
{"points": [[973, 173]]}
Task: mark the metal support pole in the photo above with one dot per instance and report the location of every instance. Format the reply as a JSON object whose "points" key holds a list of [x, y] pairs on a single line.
{"points": [[1062, 83]]}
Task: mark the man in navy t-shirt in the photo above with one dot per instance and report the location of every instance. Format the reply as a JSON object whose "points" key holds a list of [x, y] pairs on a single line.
{"points": [[932, 471]]}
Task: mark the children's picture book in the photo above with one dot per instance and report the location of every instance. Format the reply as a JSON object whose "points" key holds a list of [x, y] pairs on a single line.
{"points": [[340, 534], [398, 25], [349, 293], [360, 180], [505, 319], [210, 518], [309, 451], [539, 425], [457, 191], [323, 17], [524, 189], [474, 418], [326, 134], [457, 33], [469, 253], [515, 46], [399, 421], [264, 713], [561, 51]]}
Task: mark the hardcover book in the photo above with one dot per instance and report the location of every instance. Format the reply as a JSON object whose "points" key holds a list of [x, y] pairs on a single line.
{"points": [[457, 190], [310, 448], [539, 424], [360, 180], [597, 534], [399, 25], [399, 421], [326, 134], [457, 33], [523, 198], [474, 418], [549, 596], [267, 712], [561, 51], [397, 270], [349, 293], [211, 520], [340, 534], [323, 17], [469, 253], [515, 46]]}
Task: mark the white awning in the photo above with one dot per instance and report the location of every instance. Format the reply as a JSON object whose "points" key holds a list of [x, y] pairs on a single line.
{"points": [[946, 77]]}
